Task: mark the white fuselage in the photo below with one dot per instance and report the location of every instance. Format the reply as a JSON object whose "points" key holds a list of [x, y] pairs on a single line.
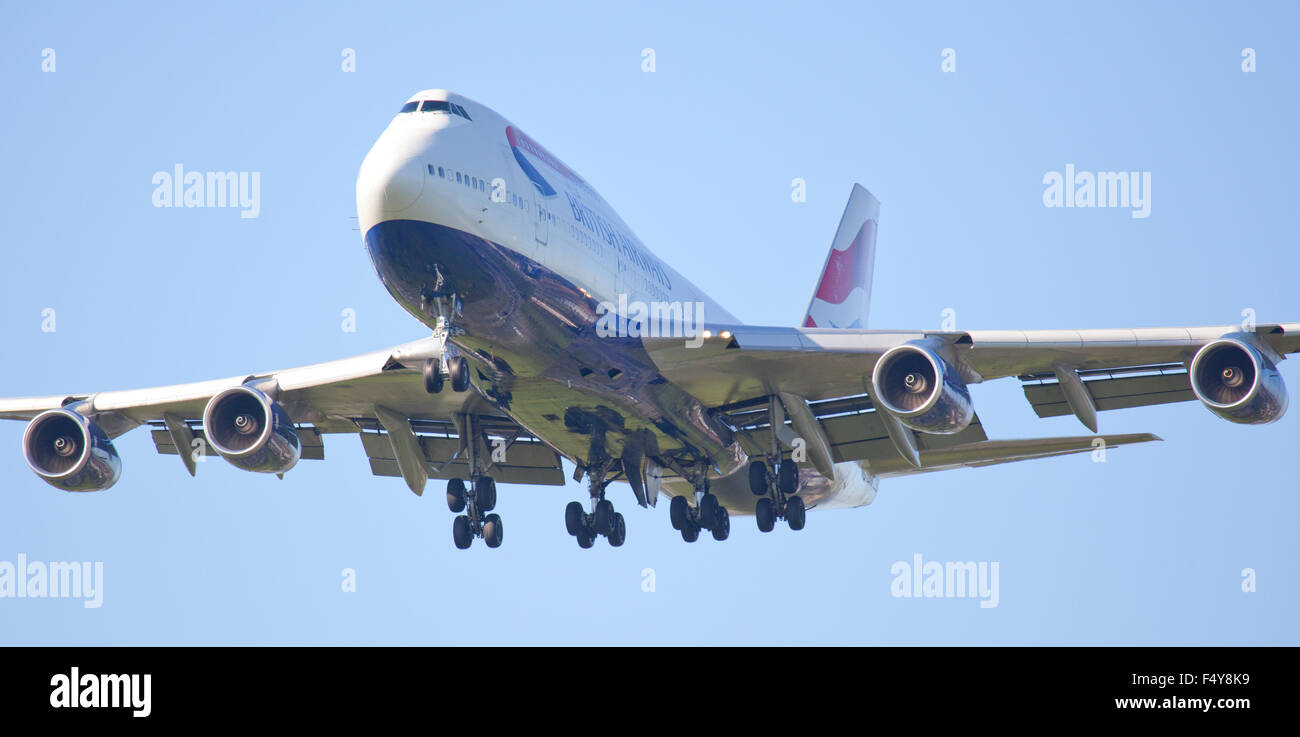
{"points": [[463, 173]]}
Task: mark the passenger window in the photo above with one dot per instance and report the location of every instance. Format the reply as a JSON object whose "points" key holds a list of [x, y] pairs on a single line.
{"points": [[440, 171], [457, 177]]}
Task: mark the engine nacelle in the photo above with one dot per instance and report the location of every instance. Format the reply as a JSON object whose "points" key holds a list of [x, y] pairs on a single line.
{"points": [[70, 452], [1238, 382], [251, 431], [916, 385]]}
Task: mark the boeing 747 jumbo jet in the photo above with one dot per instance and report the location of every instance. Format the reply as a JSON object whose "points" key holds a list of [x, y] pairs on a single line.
{"points": [[557, 334]]}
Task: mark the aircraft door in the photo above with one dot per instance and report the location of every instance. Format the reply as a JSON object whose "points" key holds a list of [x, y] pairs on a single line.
{"points": [[542, 218]]}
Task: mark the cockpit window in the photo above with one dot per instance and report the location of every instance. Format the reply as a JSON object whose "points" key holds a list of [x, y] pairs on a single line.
{"points": [[435, 106]]}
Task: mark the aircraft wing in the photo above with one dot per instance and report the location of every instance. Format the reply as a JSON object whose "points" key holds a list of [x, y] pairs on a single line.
{"points": [[379, 395], [1120, 368]]}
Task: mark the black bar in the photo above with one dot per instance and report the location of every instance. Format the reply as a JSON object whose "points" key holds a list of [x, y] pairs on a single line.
{"points": [[867, 686]]}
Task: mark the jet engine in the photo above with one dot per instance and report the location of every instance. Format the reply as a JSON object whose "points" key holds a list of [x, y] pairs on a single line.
{"points": [[916, 385], [70, 452], [1237, 382], [251, 431]]}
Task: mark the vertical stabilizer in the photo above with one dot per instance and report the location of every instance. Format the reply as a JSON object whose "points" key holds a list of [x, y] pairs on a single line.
{"points": [[843, 295]]}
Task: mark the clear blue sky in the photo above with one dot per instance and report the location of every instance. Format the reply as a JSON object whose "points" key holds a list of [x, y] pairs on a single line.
{"points": [[698, 158]]}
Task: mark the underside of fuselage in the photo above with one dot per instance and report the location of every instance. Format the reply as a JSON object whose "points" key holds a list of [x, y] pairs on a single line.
{"points": [[531, 337]]}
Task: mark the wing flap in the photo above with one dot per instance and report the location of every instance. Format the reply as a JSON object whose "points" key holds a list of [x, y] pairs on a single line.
{"points": [[313, 444], [527, 460], [1048, 399], [855, 431]]}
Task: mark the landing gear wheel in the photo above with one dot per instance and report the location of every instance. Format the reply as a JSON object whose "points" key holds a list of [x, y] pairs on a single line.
{"points": [[619, 533], [787, 477], [708, 508], [721, 523], [573, 515], [433, 376], [765, 513], [485, 493], [794, 513], [679, 512], [602, 520], [461, 534], [492, 532], [690, 533], [758, 478], [456, 495], [586, 539], [458, 368]]}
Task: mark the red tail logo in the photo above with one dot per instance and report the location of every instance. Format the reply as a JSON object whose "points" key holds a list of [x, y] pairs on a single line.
{"points": [[846, 270]]}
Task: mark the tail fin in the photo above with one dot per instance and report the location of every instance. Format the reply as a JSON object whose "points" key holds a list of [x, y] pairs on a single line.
{"points": [[843, 295]]}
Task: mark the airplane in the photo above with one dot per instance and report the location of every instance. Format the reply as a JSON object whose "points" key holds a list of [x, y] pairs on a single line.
{"points": [[556, 334]]}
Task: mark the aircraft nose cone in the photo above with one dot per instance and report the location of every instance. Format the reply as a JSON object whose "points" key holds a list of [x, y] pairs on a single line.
{"points": [[391, 180]]}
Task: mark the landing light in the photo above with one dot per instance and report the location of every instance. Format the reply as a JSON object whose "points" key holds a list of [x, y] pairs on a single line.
{"points": [[725, 335], [706, 334]]}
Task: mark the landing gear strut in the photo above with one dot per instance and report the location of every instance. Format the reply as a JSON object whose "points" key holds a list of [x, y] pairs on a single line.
{"points": [[707, 514], [778, 495], [776, 483], [474, 503], [437, 301], [601, 520]]}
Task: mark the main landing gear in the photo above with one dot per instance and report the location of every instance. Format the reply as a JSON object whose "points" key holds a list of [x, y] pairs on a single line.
{"points": [[476, 499], [707, 514], [601, 520], [445, 306], [473, 503], [777, 492]]}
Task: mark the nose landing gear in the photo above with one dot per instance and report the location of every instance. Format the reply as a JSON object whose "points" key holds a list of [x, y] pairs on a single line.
{"points": [[445, 306]]}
